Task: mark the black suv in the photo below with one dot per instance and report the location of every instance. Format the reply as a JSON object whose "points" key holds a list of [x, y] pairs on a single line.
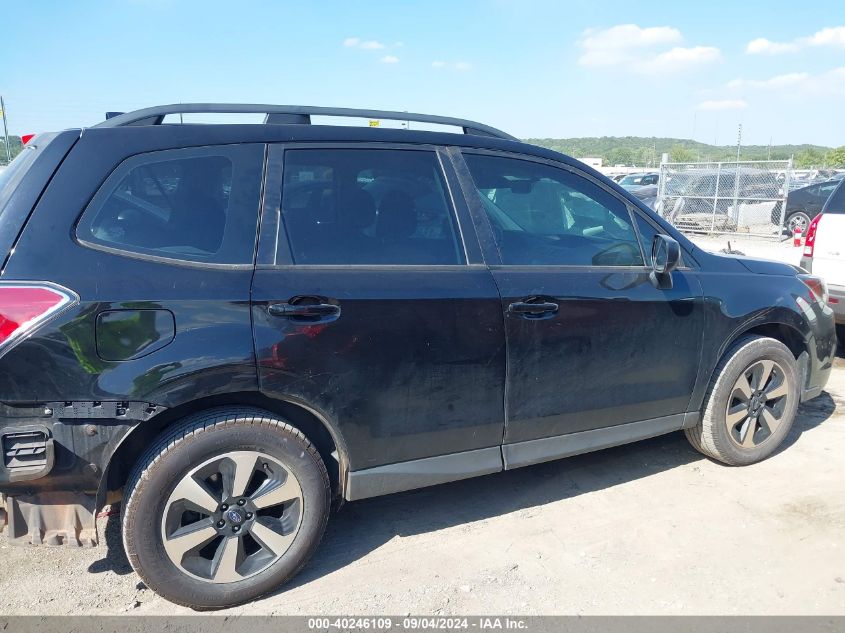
{"points": [[229, 327]]}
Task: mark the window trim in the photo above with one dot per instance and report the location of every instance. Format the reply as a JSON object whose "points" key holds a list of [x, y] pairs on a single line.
{"points": [[480, 215], [274, 250], [163, 259]]}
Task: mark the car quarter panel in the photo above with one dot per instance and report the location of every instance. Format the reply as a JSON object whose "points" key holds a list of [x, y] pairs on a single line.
{"points": [[188, 332]]}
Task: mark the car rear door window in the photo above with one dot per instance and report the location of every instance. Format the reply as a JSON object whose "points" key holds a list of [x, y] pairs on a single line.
{"points": [[543, 215], [368, 207], [195, 204]]}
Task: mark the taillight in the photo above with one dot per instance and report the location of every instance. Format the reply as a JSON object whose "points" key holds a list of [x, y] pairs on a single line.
{"points": [[810, 241], [25, 306], [817, 286], [26, 138]]}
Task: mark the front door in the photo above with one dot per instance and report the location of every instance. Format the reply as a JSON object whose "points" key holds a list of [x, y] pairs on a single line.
{"points": [[374, 308], [592, 342]]}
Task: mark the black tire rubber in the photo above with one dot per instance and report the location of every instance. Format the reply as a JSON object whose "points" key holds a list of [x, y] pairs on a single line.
{"points": [[710, 435], [189, 443]]}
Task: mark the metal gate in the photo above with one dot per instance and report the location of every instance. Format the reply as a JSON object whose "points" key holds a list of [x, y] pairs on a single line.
{"points": [[745, 198]]}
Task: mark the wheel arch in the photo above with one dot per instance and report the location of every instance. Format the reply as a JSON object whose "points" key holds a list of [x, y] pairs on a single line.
{"points": [[780, 330], [312, 422]]}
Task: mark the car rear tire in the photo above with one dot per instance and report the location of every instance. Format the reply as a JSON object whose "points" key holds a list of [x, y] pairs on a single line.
{"points": [[750, 404], [224, 508], [800, 219]]}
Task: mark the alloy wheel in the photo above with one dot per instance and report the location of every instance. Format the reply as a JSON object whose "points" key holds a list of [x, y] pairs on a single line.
{"points": [[757, 404], [232, 517]]}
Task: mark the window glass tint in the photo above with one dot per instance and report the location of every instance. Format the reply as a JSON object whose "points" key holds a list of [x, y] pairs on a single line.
{"points": [[197, 204], [836, 203], [543, 215], [349, 206]]}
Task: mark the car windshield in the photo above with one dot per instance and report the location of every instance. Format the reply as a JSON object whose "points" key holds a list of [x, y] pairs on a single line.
{"points": [[633, 179]]}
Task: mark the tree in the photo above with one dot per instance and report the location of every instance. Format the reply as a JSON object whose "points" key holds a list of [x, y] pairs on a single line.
{"points": [[836, 157], [680, 154], [808, 158]]}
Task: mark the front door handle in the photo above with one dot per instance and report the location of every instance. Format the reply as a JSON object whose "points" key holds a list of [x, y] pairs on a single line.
{"points": [[313, 310], [533, 309]]}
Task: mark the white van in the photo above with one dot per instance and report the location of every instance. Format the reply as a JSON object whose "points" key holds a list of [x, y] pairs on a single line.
{"points": [[824, 250]]}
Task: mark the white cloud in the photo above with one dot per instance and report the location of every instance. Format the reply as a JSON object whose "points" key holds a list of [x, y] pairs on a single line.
{"points": [[613, 46], [722, 104], [828, 36], [389, 59], [762, 46], [645, 50], [357, 42], [679, 58], [803, 85], [463, 66]]}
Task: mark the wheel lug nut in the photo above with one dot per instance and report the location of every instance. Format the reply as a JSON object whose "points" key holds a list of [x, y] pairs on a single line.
{"points": [[224, 507], [248, 516], [241, 502], [236, 529], [221, 523]]}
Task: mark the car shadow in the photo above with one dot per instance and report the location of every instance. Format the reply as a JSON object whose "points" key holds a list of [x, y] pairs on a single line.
{"points": [[361, 527]]}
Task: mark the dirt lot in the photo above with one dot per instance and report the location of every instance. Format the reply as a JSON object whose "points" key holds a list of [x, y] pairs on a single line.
{"points": [[648, 528]]}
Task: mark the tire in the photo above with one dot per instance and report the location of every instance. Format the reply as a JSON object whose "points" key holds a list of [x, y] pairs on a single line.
{"points": [[723, 436], [797, 218], [208, 459]]}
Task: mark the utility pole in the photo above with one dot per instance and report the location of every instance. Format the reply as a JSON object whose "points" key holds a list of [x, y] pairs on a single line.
{"points": [[738, 141], [6, 131]]}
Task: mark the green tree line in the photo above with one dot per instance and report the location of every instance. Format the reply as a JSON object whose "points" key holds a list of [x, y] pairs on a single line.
{"points": [[646, 151], [14, 143]]}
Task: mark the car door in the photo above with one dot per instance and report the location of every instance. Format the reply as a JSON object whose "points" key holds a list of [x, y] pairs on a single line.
{"points": [[592, 342], [372, 306]]}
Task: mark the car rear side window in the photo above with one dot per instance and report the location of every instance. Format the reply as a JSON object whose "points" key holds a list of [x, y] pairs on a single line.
{"points": [[547, 216], [195, 204], [836, 203], [368, 206]]}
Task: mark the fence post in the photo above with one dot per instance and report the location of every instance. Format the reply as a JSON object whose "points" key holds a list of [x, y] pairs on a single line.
{"points": [[735, 208], [786, 180], [715, 198]]}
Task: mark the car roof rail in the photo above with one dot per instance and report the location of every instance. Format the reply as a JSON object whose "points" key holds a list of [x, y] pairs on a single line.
{"points": [[292, 115]]}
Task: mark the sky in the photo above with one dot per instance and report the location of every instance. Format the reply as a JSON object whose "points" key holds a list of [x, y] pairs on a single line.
{"points": [[544, 68]]}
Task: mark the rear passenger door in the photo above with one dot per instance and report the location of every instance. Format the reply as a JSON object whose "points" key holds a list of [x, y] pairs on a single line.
{"points": [[372, 305]]}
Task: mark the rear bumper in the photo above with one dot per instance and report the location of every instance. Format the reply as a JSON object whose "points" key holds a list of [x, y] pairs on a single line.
{"points": [[837, 303]]}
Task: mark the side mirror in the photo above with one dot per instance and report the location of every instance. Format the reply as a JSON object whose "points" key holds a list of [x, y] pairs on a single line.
{"points": [[665, 256]]}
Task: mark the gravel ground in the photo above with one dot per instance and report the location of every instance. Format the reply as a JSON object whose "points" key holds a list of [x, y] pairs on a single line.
{"points": [[649, 528]]}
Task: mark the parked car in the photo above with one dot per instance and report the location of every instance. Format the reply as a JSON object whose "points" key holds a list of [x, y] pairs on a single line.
{"points": [[708, 199], [802, 205], [824, 249], [229, 328], [647, 194], [639, 180]]}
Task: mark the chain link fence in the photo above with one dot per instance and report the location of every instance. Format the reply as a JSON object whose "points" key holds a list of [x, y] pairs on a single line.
{"points": [[746, 198]]}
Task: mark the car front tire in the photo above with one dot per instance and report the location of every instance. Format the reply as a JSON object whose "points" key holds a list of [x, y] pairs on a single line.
{"points": [[750, 404]]}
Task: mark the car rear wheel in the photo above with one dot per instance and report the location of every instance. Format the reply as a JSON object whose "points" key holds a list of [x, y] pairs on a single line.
{"points": [[800, 220], [751, 403], [224, 508]]}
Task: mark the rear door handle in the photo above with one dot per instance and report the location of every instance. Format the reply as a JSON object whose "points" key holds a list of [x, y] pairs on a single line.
{"points": [[533, 309], [317, 310]]}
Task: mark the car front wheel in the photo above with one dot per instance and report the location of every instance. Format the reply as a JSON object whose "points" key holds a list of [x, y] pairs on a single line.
{"points": [[750, 404], [224, 508]]}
